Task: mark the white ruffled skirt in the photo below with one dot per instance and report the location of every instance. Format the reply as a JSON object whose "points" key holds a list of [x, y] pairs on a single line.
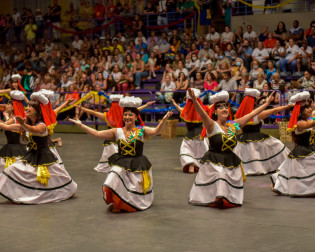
{"points": [[127, 187], [296, 177], [261, 157], [19, 184], [55, 152], [103, 165]]}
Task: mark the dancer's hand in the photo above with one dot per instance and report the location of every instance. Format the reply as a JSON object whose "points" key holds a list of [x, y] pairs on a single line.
{"points": [[77, 122], [168, 115], [20, 120], [172, 100], [270, 98], [69, 100], [191, 94], [150, 103]]}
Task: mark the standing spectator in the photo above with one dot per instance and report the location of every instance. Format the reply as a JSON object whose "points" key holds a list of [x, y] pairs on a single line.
{"points": [[161, 10], [137, 25], [296, 32], [17, 23], [213, 37], [291, 56], [180, 9], [261, 54], [99, 13], [189, 6], [149, 10], [245, 52], [250, 35], [205, 15], [139, 70], [30, 31], [54, 17], [305, 56]]}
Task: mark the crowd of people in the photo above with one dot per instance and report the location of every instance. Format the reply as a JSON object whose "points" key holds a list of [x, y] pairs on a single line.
{"points": [[279, 59]]}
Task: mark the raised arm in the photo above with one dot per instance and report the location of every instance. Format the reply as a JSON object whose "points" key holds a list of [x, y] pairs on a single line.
{"points": [[146, 105], [92, 112], [11, 127], [207, 121], [176, 105], [245, 119], [104, 134], [265, 114], [150, 132], [62, 106], [303, 125], [36, 129]]}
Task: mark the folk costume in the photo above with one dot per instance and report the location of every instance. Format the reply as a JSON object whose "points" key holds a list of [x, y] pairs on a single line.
{"points": [[260, 153], [112, 117], [219, 181], [37, 178], [296, 175], [129, 183], [192, 148], [13, 150]]}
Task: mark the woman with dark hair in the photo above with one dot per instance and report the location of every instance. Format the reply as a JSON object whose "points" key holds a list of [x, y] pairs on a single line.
{"points": [[281, 33], [295, 176], [129, 182], [219, 182], [37, 178], [13, 150], [260, 153]]}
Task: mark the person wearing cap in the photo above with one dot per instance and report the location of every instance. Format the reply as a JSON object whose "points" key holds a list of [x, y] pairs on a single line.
{"points": [[295, 176], [260, 153], [37, 178], [129, 183], [219, 182], [192, 148], [14, 149]]}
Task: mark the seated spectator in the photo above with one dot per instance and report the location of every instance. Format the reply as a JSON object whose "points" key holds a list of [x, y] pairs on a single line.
{"points": [[255, 70], [144, 55], [198, 82], [181, 69], [227, 84], [192, 63], [167, 88], [115, 60], [204, 62], [213, 37], [182, 84], [126, 81], [194, 49], [245, 52], [238, 37], [76, 44], [261, 54], [176, 61], [270, 70], [264, 34], [264, 94], [227, 37], [259, 83], [139, 70], [206, 52], [312, 69], [46, 84], [151, 65], [237, 69], [291, 56], [230, 54], [250, 36], [294, 89], [140, 45], [296, 32], [210, 83], [305, 56], [101, 81], [164, 49], [243, 83], [281, 33], [307, 81], [277, 54], [311, 38], [270, 42], [154, 48], [221, 59], [276, 82]]}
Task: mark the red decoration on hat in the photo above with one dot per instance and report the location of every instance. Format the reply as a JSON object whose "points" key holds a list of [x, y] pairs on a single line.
{"points": [[189, 113], [246, 106], [294, 117], [50, 117], [18, 108], [114, 114], [20, 86]]}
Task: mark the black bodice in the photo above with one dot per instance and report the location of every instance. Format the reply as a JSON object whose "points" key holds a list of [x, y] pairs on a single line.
{"points": [[222, 143], [130, 149], [12, 137], [251, 133], [193, 130], [249, 128], [305, 145]]}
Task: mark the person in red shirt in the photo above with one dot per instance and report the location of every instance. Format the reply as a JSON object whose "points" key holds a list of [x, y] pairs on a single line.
{"points": [[270, 42], [99, 11]]}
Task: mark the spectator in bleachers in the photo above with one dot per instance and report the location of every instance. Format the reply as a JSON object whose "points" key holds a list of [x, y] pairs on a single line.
{"points": [[167, 87], [152, 38], [245, 52], [270, 42], [204, 62], [101, 81], [250, 35], [181, 69], [277, 54], [126, 81], [276, 81], [151, 65], [213, 37], [198, 82], [139, 70], [264, 94], [227, 83], [255, 70], [291, 55], [137, 25], [238, 37], [192, 64], [260, 82], [305, 56], [264, 34], [30, 32], [296, 32], [227, 37], [312, 69], [261, 54], [230, 53], [307, 81], [270, 70], [281, 33], [210, 83], [170, 71], [237, 69], [311, 38], [221, 59], [54, 16], [206, 52]]}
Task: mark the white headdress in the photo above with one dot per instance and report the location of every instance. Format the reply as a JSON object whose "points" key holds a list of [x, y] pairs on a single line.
{"points": [[252, 92], [300, 97], [16, 77], [115, 97], [48, 93], [17, 95], [222, 96], [196, 91], [40, 97], [130, 102]]}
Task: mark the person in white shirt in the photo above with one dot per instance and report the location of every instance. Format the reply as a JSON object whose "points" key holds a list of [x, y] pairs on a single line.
{"points": [[277, 53], [213, 37], [77, 43], [181, 69], [206, 52], [250, 35], [261, 54], [305, 56], [192, 64], [168, 85], [291, 56], [140, 35]]}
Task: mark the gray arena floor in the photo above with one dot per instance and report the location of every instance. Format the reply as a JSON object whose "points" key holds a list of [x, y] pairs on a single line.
{"points": [[265, 222]]}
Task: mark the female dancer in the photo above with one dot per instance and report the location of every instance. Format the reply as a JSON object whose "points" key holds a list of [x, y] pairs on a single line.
{"points": [[260, 153], [295, 176], [219, 182], [192, 148], [112, 117], [129, 182], [13, 150], [37, 178]]}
